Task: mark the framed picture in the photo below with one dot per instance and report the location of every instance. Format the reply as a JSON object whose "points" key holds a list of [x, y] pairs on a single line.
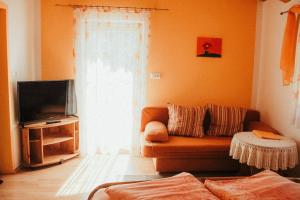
{"points": [[209, 47]]}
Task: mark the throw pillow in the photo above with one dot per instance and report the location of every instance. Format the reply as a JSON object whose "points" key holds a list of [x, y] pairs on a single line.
{"points": [[156, 132], [225, 121], [186, 121]]}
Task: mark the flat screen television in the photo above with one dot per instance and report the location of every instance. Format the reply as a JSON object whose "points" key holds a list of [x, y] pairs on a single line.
{"points": [[46, 100]]}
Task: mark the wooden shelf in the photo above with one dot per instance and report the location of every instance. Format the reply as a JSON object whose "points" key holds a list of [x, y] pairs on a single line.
{"points": [[59, 157], [62, 122], [54, 140], [52, 159], [45, 144], [32, 141]]}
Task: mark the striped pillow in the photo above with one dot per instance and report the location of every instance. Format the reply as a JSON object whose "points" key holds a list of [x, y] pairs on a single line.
{"points": [[225, 121], [186, 121]]}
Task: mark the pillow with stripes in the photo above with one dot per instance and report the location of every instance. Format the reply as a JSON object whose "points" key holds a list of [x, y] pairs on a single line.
{"points": [[186, 121], [225, 121]]}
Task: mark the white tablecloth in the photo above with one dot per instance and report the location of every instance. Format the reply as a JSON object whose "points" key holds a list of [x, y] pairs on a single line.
{"points": [[264, 153]]}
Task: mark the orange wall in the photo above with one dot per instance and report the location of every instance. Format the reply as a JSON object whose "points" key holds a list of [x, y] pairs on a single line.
{"points": [[185, 78], [19, 56], [6, 162], [275, 102]]}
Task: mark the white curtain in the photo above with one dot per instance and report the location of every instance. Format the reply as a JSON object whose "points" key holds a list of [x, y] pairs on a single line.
{"points": [[296, 83], [111, 57], [296, 120]]}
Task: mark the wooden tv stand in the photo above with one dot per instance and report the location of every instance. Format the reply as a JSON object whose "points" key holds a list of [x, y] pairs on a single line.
{"points": [[49, 143]]}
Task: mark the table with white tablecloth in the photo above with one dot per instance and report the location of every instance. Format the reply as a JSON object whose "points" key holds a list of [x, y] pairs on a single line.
{"points": [[264, 153]]}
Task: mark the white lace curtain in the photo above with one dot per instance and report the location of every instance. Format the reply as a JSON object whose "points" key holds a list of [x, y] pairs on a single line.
{"points": [[296, 120], [111, 56]]}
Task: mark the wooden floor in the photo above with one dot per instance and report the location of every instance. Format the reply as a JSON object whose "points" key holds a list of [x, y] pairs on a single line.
{"points": [[73, 179]]}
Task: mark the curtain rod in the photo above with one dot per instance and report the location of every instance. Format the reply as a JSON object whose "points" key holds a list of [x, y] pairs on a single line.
{"points": [[102, 6], [284, 12]]}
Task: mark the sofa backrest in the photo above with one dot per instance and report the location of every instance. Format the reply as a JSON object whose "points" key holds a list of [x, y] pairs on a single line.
{"points": [[161, 114]]}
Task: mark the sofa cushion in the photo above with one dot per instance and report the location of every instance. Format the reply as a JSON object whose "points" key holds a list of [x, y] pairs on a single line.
{"points": [[186, 121], [177, 146], [156, 132], [161, 114], [225, 121]]}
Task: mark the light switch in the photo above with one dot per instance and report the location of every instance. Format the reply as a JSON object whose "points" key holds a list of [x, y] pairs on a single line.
{"points": [[155, 75]]}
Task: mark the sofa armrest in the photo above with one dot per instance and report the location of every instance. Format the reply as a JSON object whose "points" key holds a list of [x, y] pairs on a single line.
{"points": [[257, 125], [149, 114], [156, 132]]}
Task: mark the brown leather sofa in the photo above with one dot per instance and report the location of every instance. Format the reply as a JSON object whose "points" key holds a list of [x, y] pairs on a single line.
{"points": [[208, 153]]}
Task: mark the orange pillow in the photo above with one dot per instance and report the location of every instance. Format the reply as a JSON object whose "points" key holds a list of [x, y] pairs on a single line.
{"points": [[156, 132], [186, 121], [225, 121], [264, 185]]}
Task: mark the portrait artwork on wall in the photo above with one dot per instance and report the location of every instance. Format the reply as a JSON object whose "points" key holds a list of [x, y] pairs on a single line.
{"points": [[209, 47]]}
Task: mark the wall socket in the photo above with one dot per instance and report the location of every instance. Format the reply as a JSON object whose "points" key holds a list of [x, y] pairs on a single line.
{"points": [[155, 75]]}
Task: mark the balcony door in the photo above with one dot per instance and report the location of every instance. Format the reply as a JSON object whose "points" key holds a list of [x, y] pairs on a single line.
{"points": [[111, 52]]}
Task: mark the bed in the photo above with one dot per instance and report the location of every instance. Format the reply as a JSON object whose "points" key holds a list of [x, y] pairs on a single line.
{"points": [[292, 183]]}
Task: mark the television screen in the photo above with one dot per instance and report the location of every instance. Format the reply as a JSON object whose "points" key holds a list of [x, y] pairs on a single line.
{"points": [[45, 100]]}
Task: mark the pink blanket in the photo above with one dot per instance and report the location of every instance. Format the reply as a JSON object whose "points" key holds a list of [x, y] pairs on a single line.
{"points": [[262, 186], [182, 186]]}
